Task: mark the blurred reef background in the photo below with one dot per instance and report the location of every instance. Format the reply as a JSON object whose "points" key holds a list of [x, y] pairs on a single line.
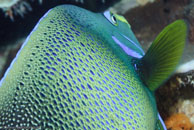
{"points": [[175, 98]]}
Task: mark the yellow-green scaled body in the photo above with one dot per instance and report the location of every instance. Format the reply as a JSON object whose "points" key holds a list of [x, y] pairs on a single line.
{"points": [[80, 70]]}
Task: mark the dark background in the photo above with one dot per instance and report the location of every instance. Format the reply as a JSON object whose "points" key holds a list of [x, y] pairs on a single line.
{"points": [[10, 30]]}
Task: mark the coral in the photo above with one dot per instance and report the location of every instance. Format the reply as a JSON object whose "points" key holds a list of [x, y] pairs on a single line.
{"points": [[188, 66], [125, 5], [186, 107], [15, 7], [147, 21], [7, 3], [144, 2], [178, 121], [179, 87], [7, 54]]}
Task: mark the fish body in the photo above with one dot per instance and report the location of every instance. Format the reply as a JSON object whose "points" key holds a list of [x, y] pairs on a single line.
{"points": [[80, 70]]}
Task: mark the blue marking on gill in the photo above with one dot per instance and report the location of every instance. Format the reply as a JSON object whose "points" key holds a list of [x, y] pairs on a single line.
{"points": [[127, 50], [134, 43]]}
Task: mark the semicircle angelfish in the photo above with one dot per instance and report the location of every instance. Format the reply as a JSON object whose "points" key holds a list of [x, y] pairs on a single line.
{"points": [[83, 70]]}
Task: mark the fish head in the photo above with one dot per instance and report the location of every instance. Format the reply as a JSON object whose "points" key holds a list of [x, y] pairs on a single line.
{"points": [[123, 35], [112, 28]]}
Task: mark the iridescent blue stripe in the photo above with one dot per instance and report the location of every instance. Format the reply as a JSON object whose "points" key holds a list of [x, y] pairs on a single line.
{"points": [[134, 43], [127, 50], [162, 122]]}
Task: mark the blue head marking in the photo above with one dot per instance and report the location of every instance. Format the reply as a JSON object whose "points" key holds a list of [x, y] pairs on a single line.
{"points": [[123, 35]]}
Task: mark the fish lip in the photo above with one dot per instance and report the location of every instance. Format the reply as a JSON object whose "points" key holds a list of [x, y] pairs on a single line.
{"points": [[126, 49]]}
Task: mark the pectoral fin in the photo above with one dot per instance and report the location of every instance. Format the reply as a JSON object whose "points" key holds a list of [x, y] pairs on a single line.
{"points": [[164, 54]]}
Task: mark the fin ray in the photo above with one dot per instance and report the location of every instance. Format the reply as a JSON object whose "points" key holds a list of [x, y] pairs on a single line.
{"points": [[164, 54]]}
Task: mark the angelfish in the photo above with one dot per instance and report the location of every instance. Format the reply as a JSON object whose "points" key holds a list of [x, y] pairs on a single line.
{"points": [[79, 70]]}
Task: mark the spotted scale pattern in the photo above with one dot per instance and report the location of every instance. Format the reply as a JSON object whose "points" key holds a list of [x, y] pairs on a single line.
{"points": [[67, 78]]}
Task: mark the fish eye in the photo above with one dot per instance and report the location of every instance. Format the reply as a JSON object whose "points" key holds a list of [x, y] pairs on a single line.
{"points": [[110, 17], [113, 18]]}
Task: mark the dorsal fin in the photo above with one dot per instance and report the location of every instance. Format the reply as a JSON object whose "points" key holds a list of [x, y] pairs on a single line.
{"points": [[164, 54]]}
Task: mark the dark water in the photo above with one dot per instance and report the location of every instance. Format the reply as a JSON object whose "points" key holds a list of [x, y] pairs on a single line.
{"points": [[10, 30]]}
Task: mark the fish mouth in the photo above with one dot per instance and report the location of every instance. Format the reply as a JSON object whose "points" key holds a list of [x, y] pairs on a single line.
{"points": [[125, 48]]}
